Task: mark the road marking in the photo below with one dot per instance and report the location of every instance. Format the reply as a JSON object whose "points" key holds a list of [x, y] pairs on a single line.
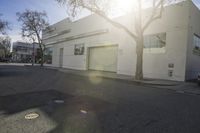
{"points": [[83, 111]]}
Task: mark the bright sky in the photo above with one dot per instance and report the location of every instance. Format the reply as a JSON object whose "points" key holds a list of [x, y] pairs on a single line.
{"points": [[9, 8], [54, 11]]}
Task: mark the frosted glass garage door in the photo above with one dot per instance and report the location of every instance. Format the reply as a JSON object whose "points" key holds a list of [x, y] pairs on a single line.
{"points": [[103, 58]]}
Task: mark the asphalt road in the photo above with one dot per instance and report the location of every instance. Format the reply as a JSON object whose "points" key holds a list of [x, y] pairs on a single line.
{"points": [[91, 105]]}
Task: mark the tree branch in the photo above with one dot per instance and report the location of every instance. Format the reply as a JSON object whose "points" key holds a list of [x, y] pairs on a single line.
{"points": [[153, 15], [114, 23]]}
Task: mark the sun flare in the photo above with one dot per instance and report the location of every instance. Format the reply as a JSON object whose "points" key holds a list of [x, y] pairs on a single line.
{"points": [[121, 7], [126, 5]]}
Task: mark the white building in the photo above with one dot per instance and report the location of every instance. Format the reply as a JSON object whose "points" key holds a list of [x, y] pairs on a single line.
{"points": [[171, 44], [23, 51]]}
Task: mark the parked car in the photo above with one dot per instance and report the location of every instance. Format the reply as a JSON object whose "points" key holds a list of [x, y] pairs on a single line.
{"points": [[198, 79], [4, 59]]}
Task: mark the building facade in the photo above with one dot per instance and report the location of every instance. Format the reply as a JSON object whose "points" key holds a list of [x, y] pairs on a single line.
{"points": [[23, 52], [171, 44]]}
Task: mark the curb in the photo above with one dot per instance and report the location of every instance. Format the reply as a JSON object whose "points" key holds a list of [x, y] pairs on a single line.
{"points": [[118, 79], [137, 81]]}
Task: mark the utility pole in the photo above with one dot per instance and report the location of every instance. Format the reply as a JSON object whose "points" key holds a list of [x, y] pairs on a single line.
{"points": [[33, 55]]}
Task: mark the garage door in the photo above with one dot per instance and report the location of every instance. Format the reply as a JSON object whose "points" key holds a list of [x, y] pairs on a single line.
{"points": [[103, 58]]}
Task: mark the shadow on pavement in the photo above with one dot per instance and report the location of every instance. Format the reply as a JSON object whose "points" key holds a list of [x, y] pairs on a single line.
{"points": [[85, 114], [81, 115], [78, 114], [89, 108], [16, 103], [10, 71]]}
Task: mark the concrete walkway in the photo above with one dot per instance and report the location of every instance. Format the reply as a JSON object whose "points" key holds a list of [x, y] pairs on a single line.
{"points": [[184, 87], [177, 86], [114, 76]]}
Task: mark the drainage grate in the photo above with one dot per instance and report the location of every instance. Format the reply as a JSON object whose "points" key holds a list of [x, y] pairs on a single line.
{"points": [[31, 116]]}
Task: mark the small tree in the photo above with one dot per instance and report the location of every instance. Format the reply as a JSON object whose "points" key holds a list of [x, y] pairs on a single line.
{"points": [[141, 23], [33, 23], [5, 44]]}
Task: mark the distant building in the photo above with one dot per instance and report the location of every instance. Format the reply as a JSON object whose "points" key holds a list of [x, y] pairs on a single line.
{"points": [[23, 52], [171, 44]]}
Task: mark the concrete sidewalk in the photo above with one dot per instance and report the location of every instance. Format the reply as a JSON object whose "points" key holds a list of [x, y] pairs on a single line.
{"points": [[13, 64], [184, 87], [17, 64], [114, 76], [177, 86]]}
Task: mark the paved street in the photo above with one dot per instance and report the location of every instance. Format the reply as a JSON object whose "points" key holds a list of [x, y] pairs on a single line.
{"points": [[91, 105]]}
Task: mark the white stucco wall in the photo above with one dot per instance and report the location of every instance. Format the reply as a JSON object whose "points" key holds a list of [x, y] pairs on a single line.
{"points": [[193, 60], [174, 23]]}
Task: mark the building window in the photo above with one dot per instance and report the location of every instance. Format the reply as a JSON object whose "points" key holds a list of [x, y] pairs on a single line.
{"points": [[79, 49], [155, 41], [22, 49], [196, 44], [48, 55]]}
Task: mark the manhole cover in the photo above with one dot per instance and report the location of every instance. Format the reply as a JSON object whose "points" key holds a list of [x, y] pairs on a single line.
{"points": [[31, 116]]}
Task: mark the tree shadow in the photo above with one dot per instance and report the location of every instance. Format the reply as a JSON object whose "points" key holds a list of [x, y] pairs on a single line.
{"points": [[83, 113], [12, 71], [77, 113], [12, 104], [80, 115]]}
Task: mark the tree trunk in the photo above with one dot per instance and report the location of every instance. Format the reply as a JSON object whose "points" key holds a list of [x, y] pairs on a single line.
{"points": [[42, 57], [139, 52], [139, 44], [42, 60]]}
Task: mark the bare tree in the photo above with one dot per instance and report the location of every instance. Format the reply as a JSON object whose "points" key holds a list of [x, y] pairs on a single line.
{"points": [[5, 44], [3, 26], [33, 22], [102, 7]]}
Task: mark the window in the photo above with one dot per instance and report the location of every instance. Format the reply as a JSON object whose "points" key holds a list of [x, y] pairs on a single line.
{"points": [[196, 43], [22, 49], [79, 49], [155, 41], [48, 55]]}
